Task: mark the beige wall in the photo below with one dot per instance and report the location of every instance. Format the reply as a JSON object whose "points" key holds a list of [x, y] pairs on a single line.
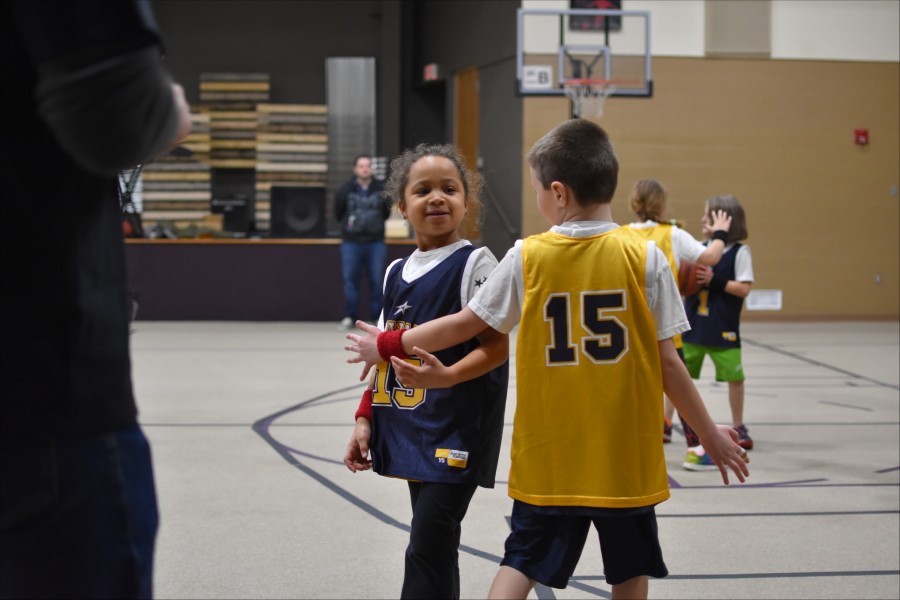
{"points": [[779, 135]]}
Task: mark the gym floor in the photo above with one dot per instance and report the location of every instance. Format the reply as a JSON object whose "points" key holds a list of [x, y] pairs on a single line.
{"points": [[248, 424]]}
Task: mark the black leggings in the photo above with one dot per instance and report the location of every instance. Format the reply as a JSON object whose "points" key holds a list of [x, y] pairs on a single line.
{"points": [[432, 559]]}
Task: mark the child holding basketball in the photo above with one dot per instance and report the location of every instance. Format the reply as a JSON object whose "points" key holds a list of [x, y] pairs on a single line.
{"points": [[715, 316], [596, 307], [444, 441], [648, 201]]}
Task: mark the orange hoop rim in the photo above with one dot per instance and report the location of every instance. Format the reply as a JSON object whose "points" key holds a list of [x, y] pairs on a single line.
{"points": [[620, 82], [588, 82]]}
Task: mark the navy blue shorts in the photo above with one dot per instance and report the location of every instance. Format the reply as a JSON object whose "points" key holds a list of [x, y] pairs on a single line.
{"points": [[546, 547]]}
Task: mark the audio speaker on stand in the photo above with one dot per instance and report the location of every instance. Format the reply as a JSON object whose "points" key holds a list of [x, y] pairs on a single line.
{"points": [[297, 211]]}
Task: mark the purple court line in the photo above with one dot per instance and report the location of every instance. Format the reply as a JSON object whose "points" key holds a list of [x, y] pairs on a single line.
{"points": [[673, 483], [793, 485]]}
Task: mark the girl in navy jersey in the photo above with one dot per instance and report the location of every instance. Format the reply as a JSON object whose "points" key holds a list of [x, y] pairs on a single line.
{"points": [[715, 317], [445, 441]]}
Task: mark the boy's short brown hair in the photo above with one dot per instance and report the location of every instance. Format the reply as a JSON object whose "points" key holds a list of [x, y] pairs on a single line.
{"points": [[577, 153]]}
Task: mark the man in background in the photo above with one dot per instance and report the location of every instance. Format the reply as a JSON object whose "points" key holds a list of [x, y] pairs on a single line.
{"points": [[361, 209], [85, 97]]}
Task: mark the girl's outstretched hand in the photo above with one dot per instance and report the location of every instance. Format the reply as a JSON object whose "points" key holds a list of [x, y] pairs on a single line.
{"points": [[431, 373], [721, 220], [365, 347]]}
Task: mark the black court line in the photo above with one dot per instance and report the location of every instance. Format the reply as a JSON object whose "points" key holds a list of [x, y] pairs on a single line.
{"points": [[842, 405], [775, 575], [827, 513], [817, 363], [817, 385], [673, 483], [675, 426], [800, 343], [262, 427], [236, 350]]}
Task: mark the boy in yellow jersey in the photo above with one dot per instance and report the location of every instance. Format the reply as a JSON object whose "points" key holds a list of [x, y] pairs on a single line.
{"points": [[597, 307]]}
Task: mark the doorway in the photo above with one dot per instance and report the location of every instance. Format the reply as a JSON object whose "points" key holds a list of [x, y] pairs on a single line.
{"points": [[466, 126]]}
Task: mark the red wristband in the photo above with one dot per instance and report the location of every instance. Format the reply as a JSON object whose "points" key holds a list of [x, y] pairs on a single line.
{"points": [[389, 344], [365, 406]]}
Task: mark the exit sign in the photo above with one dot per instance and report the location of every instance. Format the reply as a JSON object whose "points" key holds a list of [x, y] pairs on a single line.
{"points": [[432, 72]]}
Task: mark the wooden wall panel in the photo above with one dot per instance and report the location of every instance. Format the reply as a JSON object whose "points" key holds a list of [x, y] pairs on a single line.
{"points": [[822, 217]]}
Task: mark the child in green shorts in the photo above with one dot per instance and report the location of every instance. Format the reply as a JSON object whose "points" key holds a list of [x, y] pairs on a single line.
{"points": [[714, 314]]}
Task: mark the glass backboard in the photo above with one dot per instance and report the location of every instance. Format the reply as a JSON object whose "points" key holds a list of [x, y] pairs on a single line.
{"points": [[555, 45]]}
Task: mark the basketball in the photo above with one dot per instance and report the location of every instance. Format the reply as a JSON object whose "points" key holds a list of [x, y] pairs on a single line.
{"points": [[687, 278]]}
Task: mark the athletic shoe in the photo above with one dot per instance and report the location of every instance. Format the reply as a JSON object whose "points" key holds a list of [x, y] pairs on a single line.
{"points": [[698, 460], [667, 432], [346, 324], [744, 439]]}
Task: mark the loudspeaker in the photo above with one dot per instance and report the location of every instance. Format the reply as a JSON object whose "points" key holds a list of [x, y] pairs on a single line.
{"points": [[236, 213], [234, 197], [297, 211]]}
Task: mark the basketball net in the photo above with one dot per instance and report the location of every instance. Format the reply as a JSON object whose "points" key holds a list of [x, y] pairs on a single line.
{"points": [[588, 95]]}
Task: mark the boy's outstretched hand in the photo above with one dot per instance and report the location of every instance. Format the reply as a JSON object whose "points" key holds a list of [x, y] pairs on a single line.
{"points": [[365, 346], [430, 374], [726, 453]]}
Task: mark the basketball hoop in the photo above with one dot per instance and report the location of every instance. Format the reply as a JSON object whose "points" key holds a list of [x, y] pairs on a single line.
{"points": [[588, 95]]}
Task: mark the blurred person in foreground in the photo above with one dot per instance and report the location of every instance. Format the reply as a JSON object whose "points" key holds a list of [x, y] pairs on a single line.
{"points": [[86, 96]]}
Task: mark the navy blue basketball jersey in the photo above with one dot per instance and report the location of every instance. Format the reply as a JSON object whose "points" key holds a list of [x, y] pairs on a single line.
{"points": [[715, 315], [447, 435]]}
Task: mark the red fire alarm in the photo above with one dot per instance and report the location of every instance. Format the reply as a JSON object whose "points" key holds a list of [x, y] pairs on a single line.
{"points": [[861, 136]]}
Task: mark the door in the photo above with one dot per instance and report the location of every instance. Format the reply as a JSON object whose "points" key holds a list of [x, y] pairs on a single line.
{"points": [[465, 122]]}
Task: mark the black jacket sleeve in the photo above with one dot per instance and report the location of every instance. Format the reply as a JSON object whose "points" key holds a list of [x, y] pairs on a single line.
{"points": [[101, 87], [340, 202]]}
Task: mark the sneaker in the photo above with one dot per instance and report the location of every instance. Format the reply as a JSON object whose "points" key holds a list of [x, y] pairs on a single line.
{"points": [[346, 324], [667, 432], [698, 460], [744, 439]]}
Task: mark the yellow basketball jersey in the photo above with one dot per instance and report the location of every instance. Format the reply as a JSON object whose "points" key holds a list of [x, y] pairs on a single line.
{"points": [[586, 429], [662, 235]]}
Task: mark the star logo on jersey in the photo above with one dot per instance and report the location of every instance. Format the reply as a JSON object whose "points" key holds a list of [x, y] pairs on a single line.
{"points": [[478, 282], [401, 310]]}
